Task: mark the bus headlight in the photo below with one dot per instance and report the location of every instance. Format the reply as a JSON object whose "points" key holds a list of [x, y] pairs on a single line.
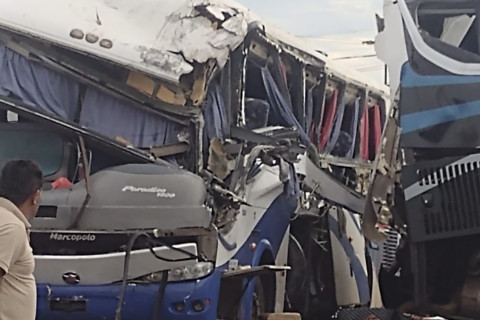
{"points": [[198, 270]]}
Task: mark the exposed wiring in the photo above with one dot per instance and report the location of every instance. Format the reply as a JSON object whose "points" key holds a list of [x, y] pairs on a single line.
{"points": [[126, 265], [86, 167], [160, 295], [152, 241], [191, 256]]}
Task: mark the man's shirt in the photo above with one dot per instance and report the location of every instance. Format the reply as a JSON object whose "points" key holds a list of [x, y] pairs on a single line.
{"points": [[17, 287]]}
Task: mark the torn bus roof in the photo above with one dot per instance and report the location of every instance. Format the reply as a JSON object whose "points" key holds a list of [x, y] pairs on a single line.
{"points": [[161, 39], [198, 32], [164, 40]]}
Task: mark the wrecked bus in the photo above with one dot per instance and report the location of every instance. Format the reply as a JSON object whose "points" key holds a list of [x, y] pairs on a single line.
{"points": [[199, 163], [432, 52]]}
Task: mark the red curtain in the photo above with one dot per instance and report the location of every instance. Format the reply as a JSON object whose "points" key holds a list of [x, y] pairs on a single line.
{"points": [[377, 129], [328, 121], [364, 134]]}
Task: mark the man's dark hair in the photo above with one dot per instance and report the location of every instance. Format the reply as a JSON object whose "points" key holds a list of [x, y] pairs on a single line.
{"points": [[19, 180]]}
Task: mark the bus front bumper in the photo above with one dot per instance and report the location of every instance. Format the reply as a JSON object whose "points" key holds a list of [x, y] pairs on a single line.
{"points": [[195, 299]]}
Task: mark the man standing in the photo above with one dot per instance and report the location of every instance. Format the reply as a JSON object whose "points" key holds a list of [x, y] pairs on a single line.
{"points": [[20, 188]]}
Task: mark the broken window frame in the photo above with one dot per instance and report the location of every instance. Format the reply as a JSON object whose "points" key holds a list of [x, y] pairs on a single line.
{"points": [[333, 83], [416, 43], [355, 92], [434, 41], [47, 56], [373, 100], [261, 47], [264, 51], [316, 81], [85, 75], [96, 145]]}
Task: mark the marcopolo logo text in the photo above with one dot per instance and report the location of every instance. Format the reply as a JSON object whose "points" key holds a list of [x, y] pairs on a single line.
{"points": [[72, 237], [160, 192]]}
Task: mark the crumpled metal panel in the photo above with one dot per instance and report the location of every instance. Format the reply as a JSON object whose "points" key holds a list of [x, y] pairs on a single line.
{"points": [[161, 39], [192, 35]]}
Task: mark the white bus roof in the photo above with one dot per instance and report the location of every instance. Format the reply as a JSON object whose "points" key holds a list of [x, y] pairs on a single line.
{"points": [[160, 38]]}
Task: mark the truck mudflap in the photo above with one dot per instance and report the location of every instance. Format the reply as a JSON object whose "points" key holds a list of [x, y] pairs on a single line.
{"points": [[281, 316], [368, 314]]}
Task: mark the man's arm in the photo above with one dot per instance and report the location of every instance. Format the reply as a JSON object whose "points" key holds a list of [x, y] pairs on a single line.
{"points": [[11, 238]]}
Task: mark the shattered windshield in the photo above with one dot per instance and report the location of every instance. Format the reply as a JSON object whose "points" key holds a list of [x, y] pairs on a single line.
{"points": [[44, 147]]}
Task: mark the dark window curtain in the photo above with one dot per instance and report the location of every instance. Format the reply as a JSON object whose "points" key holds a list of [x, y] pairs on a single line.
{"points": [[57, 94], [337, 127], [278, 71], [215, 113], [280, 109], [118, 117], [318, 112], [328, 121], [37, 86], [215, 117], [309, 111], [354, 128]]}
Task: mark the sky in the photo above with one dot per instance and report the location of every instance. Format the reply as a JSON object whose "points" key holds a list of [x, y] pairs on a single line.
{"points": [[337, 27], [317, 18]]}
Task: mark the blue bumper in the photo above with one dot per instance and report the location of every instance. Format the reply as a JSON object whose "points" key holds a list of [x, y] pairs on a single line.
{"points": [[100, 302]]}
